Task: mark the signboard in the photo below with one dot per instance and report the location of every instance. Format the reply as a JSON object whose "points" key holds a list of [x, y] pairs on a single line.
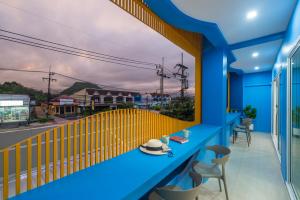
{"points": [[7, 103], [66, 102]]}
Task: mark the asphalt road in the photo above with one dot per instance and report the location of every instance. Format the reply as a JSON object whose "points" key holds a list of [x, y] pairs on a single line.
{"points": [[12, 136]]}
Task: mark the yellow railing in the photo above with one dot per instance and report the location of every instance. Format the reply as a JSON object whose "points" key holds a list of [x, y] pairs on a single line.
{"points": [[79, 144]]}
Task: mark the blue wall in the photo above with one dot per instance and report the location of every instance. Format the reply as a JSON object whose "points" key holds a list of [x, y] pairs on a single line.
{"points": [[236, 91], [257, 93], [290, 39]]}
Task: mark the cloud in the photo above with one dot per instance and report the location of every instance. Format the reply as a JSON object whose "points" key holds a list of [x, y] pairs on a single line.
{"points": [[96, 25]]}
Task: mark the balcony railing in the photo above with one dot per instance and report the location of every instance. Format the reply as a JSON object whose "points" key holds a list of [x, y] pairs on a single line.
{"points": [[74, 146]]}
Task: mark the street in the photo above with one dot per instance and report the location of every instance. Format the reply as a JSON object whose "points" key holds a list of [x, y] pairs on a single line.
{"points": [[11, 136]]}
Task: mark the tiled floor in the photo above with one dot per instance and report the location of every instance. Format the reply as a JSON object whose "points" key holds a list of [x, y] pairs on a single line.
{"points": [[252, 173]]}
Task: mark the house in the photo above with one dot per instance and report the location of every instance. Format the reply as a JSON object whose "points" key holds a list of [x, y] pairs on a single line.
{"points": [[98, 99], [63, 105]]}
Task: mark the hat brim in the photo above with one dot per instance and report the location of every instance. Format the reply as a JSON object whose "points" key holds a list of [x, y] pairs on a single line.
{"points": [[158, 153]]}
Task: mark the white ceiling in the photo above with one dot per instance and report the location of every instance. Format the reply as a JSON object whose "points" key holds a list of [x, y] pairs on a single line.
{"points": [[264, 61], [230, 15]]}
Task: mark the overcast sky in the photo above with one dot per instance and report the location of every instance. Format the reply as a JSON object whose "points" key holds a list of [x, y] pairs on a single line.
{"points": [[96, 25]]}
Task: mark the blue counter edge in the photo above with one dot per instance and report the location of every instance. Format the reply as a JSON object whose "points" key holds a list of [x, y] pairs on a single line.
{"points": [[209, 131]]}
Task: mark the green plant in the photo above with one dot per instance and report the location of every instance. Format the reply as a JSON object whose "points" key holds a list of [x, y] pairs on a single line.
{"points": [[125, 105], [181, 109], [296, 117], [250, 112]]}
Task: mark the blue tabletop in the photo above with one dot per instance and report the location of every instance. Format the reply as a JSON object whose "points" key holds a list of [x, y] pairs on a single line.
{"points": [[128, 176], [230, 117]]}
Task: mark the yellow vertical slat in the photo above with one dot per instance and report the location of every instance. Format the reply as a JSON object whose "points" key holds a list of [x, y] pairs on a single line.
{"points": [[29, 163], [39, 160], [110, 135], [5, 173], [62, 151], [125, 115], [131, 130], [80, 143], [156, 126], [68, 148], [101, 137], [54, 153], [143, 127], [97, 139], [117, 133], [18, 168], [47, 156], [75, 146], [121, 131], [138, 131], [92, 141], [152, 126], [114, 133], [86, 141], [106, 142], [148, 125]]}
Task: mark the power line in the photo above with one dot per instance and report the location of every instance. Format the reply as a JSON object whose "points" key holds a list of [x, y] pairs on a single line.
{"points": [[80, 49], [22, 70], [69, 52], [41, 17], [70, 77]]}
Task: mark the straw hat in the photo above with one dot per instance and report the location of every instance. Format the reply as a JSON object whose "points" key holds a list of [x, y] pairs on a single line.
{"points": [[154, 147]]}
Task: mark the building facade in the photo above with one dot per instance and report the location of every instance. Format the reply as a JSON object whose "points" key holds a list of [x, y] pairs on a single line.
{"points": [[14, 108], [63, 105], [98, 99]]}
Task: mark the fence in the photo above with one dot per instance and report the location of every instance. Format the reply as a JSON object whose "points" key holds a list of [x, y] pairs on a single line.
{"points": [[77, 145]]}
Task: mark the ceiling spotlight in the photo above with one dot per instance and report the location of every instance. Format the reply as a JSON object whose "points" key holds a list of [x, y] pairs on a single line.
{"points": [[256, 68], [251, 14], [255, 54]]}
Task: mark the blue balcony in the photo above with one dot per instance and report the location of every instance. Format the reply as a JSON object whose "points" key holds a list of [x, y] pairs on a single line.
{"points": [[246, 53]]}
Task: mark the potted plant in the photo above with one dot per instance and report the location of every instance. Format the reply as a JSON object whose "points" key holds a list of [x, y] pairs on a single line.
{"points": [[250, 113], [296, 121]]}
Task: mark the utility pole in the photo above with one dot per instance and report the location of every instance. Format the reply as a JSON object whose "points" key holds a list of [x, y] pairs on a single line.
{"points": [[49, 79], [182, 74], [160, 72]]}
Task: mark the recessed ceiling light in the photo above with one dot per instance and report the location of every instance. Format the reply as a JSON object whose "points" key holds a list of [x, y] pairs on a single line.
{"points": [[251, 14], [255, 54], [256, 68]]}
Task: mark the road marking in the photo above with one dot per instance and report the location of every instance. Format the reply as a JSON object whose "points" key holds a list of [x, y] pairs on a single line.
{"points": [[28, 129]]}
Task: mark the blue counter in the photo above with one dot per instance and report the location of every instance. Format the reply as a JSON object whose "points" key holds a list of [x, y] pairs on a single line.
{"points": [[128, 176], [231, 120]]}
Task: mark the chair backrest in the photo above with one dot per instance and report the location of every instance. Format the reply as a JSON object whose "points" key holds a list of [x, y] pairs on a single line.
{"points": [[222, 155], [219, 150], [169, 194]]}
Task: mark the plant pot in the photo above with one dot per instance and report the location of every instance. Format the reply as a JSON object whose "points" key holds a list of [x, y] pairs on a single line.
{"points": [[251, 127], [296, 132]]}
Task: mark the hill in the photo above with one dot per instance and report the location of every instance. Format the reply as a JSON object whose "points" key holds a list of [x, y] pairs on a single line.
{"points": [[77, 86], [17, 88]]}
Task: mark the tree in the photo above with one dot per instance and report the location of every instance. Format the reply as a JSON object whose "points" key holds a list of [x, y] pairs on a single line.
{"points": [[181, 109]]}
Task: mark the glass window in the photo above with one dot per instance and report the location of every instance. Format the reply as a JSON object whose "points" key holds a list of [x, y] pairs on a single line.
{"points": [[14, 114], [295, 120]]}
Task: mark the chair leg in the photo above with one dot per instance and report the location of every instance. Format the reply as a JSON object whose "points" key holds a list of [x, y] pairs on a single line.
{"points": [[248, 139], [220, 185], [225, 188]]}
